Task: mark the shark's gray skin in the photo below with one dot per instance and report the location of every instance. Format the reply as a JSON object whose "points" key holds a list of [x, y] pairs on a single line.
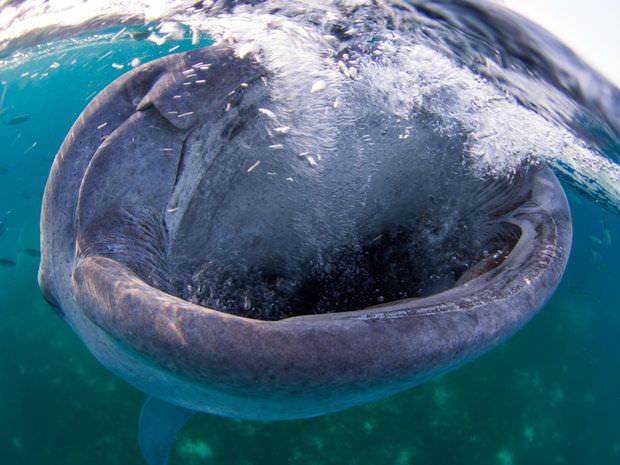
{"points": [[389, 263]]}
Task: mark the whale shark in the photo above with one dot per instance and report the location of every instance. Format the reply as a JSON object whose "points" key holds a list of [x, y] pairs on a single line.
{"points": [[220, 255]]}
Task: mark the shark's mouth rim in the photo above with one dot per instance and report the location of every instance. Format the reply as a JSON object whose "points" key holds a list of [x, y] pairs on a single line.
{"points": [[119, 246], [525, 221]]}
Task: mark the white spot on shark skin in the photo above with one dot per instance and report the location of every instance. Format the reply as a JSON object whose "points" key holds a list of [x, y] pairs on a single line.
{"points": [[102, 125], [187, 113], [117, 66], [254, 166], [267, 113], [282, 130], [311, 161], [318, 86], [276, 147]]}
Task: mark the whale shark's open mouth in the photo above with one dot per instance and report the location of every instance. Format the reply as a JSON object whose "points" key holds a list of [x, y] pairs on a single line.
{"points": [[436, 237], [280, 257], [215, 204], [382, 268]]}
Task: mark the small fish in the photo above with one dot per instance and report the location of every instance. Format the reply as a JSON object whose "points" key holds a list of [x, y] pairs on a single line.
{"points": [[3, 222], [254, 166], [3, 94], [34, 144], [36, 253], [19, 119], [6, 263], [607, 234]]}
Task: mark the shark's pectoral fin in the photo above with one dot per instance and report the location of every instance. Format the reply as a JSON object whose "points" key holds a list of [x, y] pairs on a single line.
{"points": [[159, 424]]}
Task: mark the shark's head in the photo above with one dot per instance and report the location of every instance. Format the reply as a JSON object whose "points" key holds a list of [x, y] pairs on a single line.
{"points": [[228, 255]]}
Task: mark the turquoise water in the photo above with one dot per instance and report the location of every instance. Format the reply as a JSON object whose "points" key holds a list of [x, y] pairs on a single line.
{"points": [[549, 395]]}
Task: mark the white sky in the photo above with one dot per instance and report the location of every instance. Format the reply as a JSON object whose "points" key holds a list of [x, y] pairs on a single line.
{"points": [[590, 28]]}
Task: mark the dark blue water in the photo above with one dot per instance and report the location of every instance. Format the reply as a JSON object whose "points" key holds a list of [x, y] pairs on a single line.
{"points": [[549, 395]]}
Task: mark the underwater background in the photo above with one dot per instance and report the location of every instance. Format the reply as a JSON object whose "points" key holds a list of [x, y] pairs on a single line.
{"points": [[549, 395]]}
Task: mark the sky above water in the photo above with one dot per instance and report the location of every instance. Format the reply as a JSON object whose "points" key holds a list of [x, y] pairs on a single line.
{"points": [[589, 28]]}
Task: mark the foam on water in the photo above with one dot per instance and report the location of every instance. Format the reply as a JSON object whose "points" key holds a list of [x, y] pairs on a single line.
{"points": [[322, 55], [305, 82]]}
